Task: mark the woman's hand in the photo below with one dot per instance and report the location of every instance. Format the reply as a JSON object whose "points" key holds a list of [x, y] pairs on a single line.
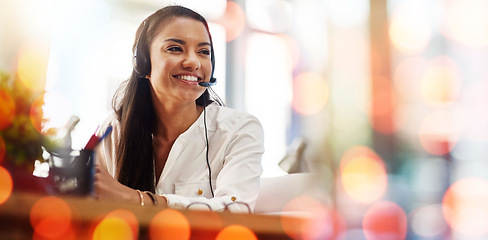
{"points": [[107, 188]]}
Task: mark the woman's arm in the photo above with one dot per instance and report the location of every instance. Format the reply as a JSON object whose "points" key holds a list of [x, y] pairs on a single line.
{"points": [[107, 188], [238, 180]]}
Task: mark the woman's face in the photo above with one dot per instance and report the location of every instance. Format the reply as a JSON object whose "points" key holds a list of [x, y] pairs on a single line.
{"points": [[180, 58]]}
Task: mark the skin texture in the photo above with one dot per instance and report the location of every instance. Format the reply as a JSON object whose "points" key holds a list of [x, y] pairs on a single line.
{"points": [[175, 55]]}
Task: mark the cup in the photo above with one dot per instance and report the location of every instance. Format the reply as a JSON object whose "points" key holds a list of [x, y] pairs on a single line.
{"points": [[73, 174]]}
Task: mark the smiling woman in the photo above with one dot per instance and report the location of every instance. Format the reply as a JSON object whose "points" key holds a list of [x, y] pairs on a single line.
{"points": [[183, 60], [173, 142]]}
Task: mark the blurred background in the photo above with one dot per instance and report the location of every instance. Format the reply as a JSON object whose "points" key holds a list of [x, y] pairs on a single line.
{"points": [[385, 99]]}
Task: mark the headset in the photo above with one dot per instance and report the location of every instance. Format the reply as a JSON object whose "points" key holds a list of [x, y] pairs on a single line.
{"points": [[141, 64]]}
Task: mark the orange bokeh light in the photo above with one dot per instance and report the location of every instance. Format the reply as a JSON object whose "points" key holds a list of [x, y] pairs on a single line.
{"points": [[439, 133], [169, 224], [363, 175], [410, 29], [310, 93], [50, 217], [464, 206], [441, 82], [6, 185], [466, 21], [32, 66], [385, 220], [236, 232], [113, 228], [316, 221], [7, 109], [118, 224], [233, 20]]}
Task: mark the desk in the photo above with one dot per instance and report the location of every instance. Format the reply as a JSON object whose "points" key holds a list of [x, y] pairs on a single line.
{"points": [[15, 222]]}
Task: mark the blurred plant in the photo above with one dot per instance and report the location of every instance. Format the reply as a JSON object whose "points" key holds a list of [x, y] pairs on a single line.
{"points": [[21, 122]]}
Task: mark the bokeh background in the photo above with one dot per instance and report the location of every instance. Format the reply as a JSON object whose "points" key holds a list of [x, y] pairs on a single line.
{"points": [[384, 99]]}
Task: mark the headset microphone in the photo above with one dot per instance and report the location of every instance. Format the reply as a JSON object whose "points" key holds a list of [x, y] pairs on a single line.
{"points": [[212, 82]]}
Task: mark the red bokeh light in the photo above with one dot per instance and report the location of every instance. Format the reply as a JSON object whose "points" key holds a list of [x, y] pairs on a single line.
{"points": [[385, 220], [68, 234], [50, 217], [439, 133], [233, 20]]}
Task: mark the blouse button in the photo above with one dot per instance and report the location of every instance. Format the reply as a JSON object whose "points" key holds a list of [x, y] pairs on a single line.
{"points": [[200, 191], [233, 199]]}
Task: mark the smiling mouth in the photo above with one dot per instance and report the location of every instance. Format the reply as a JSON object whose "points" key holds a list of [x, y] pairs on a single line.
{"points": [[187, 78]]}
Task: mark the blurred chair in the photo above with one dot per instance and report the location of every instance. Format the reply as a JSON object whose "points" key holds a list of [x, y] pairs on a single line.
{"points": [[293, 161], [276, 192]]}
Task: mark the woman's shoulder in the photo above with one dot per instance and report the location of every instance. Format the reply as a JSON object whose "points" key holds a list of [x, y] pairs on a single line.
{"points": [[229, 117]]}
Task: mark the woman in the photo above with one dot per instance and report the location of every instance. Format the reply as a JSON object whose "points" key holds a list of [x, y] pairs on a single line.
{"points": [[173, 143]]}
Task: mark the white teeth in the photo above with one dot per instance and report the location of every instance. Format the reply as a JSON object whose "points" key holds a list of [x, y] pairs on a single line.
{"points": [[187, 78]]}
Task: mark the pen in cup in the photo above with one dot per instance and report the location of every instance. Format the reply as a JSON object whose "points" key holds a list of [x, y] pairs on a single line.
{"points": [[95, 140]]}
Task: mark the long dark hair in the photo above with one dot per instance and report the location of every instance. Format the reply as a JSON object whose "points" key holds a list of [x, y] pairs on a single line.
{"points": [[134, 108]]}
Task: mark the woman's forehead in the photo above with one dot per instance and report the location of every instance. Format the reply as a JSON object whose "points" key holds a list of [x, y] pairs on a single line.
{"points": [[182, 28]]}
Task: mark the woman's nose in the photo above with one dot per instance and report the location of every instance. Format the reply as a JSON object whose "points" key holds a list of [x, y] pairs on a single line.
{"points": [[191, 61]]}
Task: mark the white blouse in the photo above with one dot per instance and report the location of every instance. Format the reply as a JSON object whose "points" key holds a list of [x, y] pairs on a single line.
{"points": [[236, 145]]}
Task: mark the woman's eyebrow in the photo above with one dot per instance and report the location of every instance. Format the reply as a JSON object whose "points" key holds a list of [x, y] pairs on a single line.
{"points": [[176, 40], [204, 44]]}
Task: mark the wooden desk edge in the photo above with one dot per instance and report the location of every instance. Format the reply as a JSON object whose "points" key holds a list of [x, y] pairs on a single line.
{"points": [[87, 211]]}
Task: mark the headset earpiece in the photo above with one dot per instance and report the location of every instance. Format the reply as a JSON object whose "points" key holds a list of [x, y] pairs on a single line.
{"points": [[140, 61]]}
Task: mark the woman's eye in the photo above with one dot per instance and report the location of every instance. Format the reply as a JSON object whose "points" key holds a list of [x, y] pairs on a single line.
{"points": [[205, 52], [174, 49]]}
